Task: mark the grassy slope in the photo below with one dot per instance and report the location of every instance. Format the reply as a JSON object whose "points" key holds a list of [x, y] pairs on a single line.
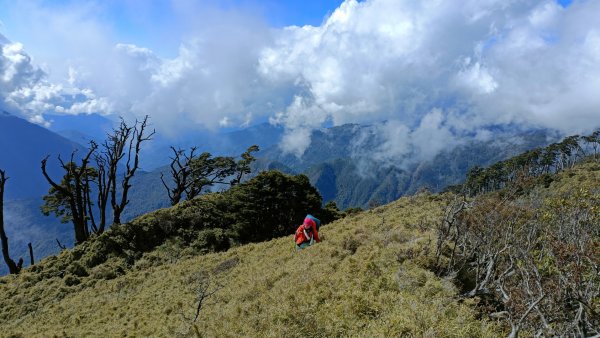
{"points": [[352, 284], [364, 279]]}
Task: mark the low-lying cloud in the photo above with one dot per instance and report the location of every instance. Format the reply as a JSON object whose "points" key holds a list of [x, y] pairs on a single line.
{"points": [[435, 72], [438, 71]]}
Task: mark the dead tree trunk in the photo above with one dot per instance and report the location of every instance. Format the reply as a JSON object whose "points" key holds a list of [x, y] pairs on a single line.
{"points": [[32, 261], [12, 266]]}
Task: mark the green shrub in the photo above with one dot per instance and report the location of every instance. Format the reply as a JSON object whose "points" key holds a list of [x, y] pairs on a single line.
{"points": [[271, 205], [71, 280], [77, 269], [210, 240]]}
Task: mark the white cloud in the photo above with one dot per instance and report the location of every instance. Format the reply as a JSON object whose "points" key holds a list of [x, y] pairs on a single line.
{"points": [[392, 143], [210, 82], [301, 117], [436, 71], [24, 87], [476, 78], [296, 141], [545, 15], [225, 122], [457, 68]]}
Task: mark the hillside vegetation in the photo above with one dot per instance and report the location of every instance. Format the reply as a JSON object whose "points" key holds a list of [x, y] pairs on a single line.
{"points": [[373, 276], [350, 284]]}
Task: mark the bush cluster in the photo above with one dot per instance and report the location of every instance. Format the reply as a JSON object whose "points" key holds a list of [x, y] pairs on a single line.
{"points": [[270, 205], [530, 260]]}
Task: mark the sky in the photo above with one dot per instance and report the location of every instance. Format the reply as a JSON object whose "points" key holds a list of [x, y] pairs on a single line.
{"points": [[426, 75]]}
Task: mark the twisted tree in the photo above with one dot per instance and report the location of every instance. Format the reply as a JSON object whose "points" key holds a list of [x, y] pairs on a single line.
{"points": [[70, 198], [180, 174], [124, 142], [191, 174]]}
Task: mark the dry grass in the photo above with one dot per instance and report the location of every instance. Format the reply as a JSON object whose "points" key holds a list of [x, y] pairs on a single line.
{"points": [[366, 279]]}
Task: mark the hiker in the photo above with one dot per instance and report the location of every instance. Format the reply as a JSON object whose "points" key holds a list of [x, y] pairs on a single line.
{"points": [[308, 232]]}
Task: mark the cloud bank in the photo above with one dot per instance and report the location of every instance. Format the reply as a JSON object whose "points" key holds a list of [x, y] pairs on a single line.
{"points": [[24, 87], [435, 72]]}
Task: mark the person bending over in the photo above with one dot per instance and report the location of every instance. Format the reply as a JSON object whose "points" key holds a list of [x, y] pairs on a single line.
{"points": [[307, 233]]}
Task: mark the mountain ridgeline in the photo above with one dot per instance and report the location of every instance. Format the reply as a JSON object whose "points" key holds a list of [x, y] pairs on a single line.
{"points": [[24, 145], [331, 163], [341, 171]]}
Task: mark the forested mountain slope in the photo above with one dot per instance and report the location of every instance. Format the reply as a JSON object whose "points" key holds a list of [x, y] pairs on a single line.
{"points": [[354, 182]]}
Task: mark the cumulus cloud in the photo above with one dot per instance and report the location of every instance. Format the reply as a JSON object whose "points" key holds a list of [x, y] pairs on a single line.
{"points": [[436, 72], [24, 87], [472, 66], [209, 82]]}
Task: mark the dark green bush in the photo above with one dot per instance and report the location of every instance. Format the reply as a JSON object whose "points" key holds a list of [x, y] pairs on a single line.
{"points": [[77, 269], [272, 204], [329, 213], [71, 280], [211, 240]]}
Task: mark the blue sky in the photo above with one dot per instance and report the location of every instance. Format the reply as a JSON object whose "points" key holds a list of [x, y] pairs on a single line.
{"points": [[565, 3], [143, 22]]}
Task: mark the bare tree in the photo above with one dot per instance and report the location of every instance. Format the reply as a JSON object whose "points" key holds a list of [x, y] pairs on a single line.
{"points": [[191, 174], [535, 264], [123, 144], [71, 197], [13, 267], [180, 173], [448, 232], [204, 286]]}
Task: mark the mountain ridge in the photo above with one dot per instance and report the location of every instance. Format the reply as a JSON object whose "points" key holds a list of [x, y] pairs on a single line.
{"points": [[24, 145]]}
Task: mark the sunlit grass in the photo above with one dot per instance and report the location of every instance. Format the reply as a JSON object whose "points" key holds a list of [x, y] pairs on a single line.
{"points": [[358, 282], [368, 278]]}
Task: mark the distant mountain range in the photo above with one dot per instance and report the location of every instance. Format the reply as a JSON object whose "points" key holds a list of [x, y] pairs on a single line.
{"points": [[83, 128], [333, 166], [22, 147], [330, 162], [80, 128]]}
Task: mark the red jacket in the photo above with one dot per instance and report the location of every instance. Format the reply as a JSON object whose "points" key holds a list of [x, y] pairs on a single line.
{"points": [[304, 235]]}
